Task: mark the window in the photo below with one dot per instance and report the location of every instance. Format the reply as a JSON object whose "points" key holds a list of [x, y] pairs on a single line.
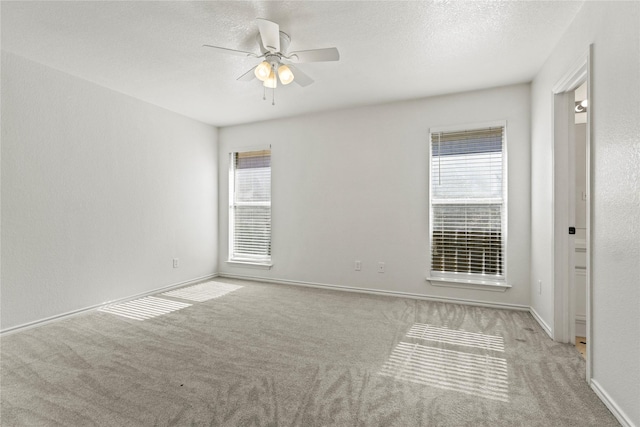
{"points": [[250, 207], [467, 206]]}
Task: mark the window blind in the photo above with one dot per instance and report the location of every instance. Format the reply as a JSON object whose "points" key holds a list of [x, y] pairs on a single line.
{"points": [[250, 216], [467, 202]]}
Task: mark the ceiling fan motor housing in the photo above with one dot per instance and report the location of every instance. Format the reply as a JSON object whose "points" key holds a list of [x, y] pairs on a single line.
{"points": [[285, 41]]}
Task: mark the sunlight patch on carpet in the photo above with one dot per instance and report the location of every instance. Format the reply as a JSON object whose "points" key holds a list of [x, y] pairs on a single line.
{"points": [[452, 336], [203, 291], [477, 375], [144, 308]]}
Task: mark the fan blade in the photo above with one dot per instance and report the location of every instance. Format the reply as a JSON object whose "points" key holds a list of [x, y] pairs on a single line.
{"points": [[270, 34], [299, 77], [231, 51], [316, 55], [248, 76]]}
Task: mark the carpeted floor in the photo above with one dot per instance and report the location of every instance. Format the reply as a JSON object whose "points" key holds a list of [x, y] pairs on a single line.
{"points": [[274, 355]]}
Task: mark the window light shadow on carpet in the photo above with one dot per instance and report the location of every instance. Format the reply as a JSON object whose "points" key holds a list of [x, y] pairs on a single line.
{"points": [[144, 308], [478, 375], [452, 336], [203, 291]]}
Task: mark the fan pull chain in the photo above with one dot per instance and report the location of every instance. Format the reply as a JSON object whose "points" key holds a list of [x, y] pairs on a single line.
{"points": [[264, 93], [273, 89]]}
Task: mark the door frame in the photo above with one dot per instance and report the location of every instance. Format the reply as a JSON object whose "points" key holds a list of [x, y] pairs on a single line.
{"points": [[564, 204]]}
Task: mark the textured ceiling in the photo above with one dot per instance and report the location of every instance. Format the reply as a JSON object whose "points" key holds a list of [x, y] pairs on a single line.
{"points": [[389, 50]]}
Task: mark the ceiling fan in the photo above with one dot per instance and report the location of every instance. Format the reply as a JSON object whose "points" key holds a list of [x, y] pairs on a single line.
{"points": [[277, 61]]}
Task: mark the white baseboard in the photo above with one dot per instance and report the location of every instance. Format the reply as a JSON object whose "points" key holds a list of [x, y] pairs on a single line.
{"points": [[68, 314], [541, 322], [622, 418], [503, 306]]}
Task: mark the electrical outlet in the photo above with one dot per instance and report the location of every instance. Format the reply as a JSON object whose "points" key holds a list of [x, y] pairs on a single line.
{"points": [[539, 287], [358, 265], [381, 267], [176, 263]]}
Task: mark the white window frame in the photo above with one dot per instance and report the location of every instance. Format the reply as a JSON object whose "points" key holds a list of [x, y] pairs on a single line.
{"points": [[244, 260], [472, 280]]}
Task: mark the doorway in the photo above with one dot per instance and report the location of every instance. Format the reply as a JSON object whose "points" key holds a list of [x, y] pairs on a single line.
{"points": [[579, 155], [572, 207]]}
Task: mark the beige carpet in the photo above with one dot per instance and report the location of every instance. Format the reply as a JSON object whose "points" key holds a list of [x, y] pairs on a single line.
{"points": [[273, 355]]}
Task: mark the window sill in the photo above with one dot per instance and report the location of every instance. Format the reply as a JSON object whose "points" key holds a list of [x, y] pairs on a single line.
{"points": [[482, 285], [249, 264]]}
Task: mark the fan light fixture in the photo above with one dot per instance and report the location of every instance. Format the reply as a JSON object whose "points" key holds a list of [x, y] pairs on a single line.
{"points": [[263, 70], [285, 74], [271, 82]]}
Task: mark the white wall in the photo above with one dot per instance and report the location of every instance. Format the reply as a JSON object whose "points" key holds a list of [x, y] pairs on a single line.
{"points": [[613, 29], [352, 185], [99, 192]]}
